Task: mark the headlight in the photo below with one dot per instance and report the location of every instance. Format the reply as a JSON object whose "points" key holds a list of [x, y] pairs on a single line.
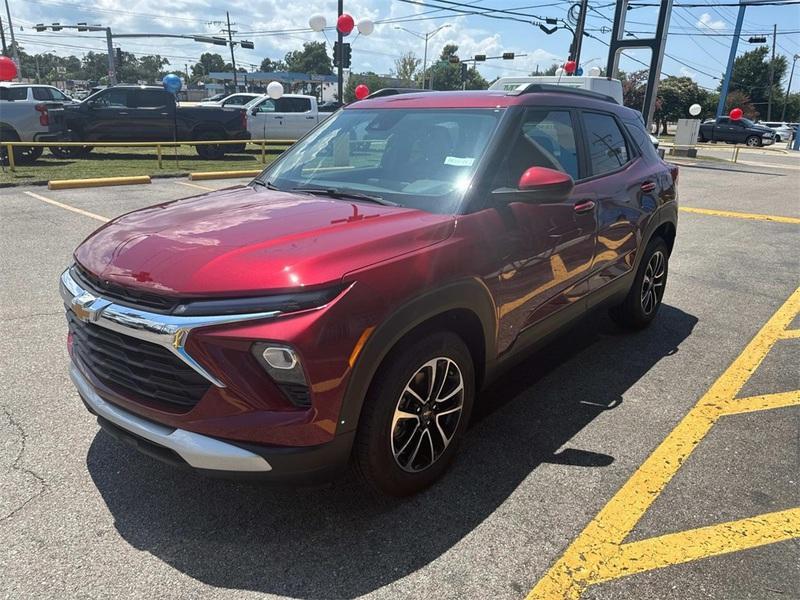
{"points": [[282, 364]]}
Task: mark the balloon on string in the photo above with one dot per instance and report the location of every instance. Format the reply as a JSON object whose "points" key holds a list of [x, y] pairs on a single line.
{"points": [[172, 83], [317, 22], [736, 114], [559, 71], [366, 26], [695, 109], [570, 66], [579, 71], [275, 90], [362, 91], [8, 69], [345, 24], [595, 72]]}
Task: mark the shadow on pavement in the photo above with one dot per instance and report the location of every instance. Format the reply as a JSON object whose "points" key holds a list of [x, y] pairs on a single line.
{"points": [[335, 543]]}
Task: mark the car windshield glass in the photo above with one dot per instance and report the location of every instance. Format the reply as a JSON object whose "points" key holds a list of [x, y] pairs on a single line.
{"points": [[421, 158], [746, 122]]}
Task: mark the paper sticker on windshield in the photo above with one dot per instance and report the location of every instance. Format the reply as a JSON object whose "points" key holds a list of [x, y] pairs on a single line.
{"points": [[457, 161]]}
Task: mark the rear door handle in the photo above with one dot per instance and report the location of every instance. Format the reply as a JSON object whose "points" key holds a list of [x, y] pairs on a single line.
{"points": [[648, 186], [584, 206]]}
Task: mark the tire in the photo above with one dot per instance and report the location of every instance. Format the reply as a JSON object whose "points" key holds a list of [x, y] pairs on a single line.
{"points": [[777, 139], [641, 304], [399, 456], [238, 149], [753, 141], [23, 155], [701, 140], [210, 151], [70, 151]]}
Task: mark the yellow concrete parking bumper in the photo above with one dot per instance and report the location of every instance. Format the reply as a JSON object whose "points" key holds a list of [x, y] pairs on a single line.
{"points": [[64, 184]]}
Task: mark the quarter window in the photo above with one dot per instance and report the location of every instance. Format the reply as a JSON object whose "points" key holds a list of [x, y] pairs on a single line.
{"points": [[607, 148]]}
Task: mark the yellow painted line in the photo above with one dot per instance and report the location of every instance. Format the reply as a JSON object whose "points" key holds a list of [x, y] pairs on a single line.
{"points": [[223, 174], [694, 544], [65, 184], [739, 215], [791, 334], [739, 406], [80, 211], [196, 186], [598, 548]]}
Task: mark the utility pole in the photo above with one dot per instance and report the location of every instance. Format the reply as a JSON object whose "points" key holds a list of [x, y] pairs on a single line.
{"points": [[112, 70], [3, 37], [233, 58], [788, 88], [14, 49], [578, 41], [772, 72], [340, 68]]}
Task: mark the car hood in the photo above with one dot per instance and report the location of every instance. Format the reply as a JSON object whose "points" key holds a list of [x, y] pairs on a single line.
{"points": [[244, 240]]}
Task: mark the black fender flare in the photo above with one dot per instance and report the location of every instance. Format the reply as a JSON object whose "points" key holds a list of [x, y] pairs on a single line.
{"points": [[467, 294], [667, 213]]}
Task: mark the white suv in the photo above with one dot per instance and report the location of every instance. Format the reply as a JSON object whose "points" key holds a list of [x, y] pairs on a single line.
{"points": [[24, 116], [783, 132]]}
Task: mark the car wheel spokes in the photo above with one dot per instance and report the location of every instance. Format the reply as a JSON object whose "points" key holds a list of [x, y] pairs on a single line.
{"points": [[427, 414], [653, 282]]}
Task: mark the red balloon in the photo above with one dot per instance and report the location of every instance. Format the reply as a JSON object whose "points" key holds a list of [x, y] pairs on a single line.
{"points": [[345, 24], [362, 91], [736, 114], [570, 66], [8, 69]]}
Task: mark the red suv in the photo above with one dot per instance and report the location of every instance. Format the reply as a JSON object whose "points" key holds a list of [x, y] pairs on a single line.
{"points": [[346, 306]]}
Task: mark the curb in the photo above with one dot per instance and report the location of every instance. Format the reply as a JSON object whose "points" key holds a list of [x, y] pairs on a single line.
{"points": [[222, 175], [65, 184]]}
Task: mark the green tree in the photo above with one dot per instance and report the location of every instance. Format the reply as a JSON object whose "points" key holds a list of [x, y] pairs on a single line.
{"points": [[151, 68], [446, 75], [372, 80], [549, 71], [676, 95], [406, 66], [209, 62], [633, 87], [751, 76], [270, 66], [313, 58]]}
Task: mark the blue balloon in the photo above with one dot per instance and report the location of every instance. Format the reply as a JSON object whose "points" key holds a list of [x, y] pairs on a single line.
{"points": [[172, 83], [579, 71]]}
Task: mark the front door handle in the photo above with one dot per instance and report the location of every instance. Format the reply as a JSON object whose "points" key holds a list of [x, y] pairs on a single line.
{"points": [[648, 186], [123, 113], [584, 206]]}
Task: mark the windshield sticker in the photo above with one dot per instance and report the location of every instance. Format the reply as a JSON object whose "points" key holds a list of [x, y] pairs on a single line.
{"points": [[457, 161]]}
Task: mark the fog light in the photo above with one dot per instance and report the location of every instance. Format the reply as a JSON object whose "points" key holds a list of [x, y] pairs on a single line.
{"points": [[283, 366], [280, 358]]}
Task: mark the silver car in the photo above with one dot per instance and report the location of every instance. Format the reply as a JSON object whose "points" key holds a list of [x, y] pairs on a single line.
{"points": [[783, 131], [24, 116]]}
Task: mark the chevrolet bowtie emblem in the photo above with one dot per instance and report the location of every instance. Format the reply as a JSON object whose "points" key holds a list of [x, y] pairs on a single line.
{"points": [[88, 307]]}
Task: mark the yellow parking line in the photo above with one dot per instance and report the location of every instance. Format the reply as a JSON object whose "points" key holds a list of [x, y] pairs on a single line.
{"points": [[739, 406], [739, 215], [599, 548], [791, 334], [80, 211], [194, 185]]}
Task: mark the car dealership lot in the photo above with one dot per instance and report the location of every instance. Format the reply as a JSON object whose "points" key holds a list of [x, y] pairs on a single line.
{"points": [[550, 444]]}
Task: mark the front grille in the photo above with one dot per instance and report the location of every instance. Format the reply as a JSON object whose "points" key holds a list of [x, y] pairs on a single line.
{"points": [[121, 294], [134, 367]]}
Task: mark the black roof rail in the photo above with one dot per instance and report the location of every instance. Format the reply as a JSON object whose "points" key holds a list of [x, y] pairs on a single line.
{"points": [[394, 91], [554, 88]]}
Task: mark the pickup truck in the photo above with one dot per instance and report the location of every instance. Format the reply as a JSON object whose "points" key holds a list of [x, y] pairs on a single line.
{"points": [[146, 114], [24, 117], [289, 117], [738, 131]]}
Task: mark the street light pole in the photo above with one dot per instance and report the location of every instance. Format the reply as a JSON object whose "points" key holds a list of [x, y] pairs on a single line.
{"points": [[788, 88], [340, 68], [14, 49], [426, 37]]}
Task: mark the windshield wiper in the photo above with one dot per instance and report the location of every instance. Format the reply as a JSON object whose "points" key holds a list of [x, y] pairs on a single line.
{"points": [[267, 184], [343, 194]]}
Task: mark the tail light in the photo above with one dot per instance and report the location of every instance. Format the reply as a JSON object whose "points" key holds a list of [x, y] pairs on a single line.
{"points": [[44, 116]]}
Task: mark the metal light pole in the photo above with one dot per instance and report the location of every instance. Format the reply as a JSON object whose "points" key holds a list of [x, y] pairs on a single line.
{"points": [[14, 49], [340, 68], [726, 81], [576, 52], [772, 72], [426, 37], [233, 58], [788, 88]]}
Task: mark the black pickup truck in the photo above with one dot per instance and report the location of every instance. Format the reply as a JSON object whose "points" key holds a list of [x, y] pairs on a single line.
{"points": [[127, 113], [739, 131]]}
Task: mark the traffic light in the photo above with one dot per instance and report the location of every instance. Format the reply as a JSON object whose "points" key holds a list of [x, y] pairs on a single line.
{"points": [[247, 44], [508, 56], [342, 55], [82, 27], [119, 57], [453, 59], [464, 68], [56, 27], [758, 39], [479, 57], [40, 27]]}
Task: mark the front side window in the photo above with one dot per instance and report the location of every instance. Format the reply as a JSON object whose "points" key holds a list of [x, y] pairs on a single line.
{"points": [[42, 93], [57, 95], [546, 138], [267, 105], [423, 158], [112, 99], [608, 150]]}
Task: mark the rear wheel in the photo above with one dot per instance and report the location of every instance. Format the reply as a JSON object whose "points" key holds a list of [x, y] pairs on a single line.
{"points": [[210, 151], [644, 298], [70, 151], [777, 138], [415, 414], [753, 141], [23, 155]]}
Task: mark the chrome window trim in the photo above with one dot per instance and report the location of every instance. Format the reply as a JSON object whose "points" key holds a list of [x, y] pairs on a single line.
{"points": [[168, 331]]}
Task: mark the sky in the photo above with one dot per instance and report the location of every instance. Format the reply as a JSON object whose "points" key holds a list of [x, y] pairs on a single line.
{"points": [[697, 47]]}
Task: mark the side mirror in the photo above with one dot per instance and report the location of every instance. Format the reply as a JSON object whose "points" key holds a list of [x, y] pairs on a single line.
{"points": [[540, 184]]}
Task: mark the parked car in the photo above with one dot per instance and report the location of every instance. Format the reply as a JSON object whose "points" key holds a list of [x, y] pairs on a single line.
{"points": [[217, 97], [289, 117], [146, 114], [24, 117], [735, 131], [231, 100], [346, 307], [784, 132]]}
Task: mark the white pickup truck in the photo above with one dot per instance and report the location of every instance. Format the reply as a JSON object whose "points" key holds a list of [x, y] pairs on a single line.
{"points": [[289, 117]]}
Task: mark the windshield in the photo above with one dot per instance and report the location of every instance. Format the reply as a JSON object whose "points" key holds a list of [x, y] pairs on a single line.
{"points": [[421, 158], [746, 122]]}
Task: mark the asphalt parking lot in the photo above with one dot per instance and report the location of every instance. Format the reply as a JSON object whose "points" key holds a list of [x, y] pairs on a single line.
{"points": [[661, 464]]}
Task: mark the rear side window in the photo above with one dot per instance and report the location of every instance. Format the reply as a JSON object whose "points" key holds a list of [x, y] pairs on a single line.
{"points": [[42, 93], [151, 99], [608, 150], [13, 93]]}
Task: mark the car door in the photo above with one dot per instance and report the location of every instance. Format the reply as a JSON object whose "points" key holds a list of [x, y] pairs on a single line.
{"points": [[548, 245], [108, 116], [298, 117], [264, 122], [152, 115], [616, 185], [724, 130]]}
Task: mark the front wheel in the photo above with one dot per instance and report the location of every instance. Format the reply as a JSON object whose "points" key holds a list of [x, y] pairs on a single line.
{"points": [[777, 139], [753, 141], [415, 414], [641, 304], [210, 151]]}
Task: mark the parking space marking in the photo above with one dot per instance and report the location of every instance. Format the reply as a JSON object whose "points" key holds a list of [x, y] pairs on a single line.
{"points": [[739, 215], [599, 552], [80, 211], [195, 185]]}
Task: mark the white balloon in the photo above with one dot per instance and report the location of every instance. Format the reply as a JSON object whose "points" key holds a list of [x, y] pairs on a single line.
{"points": [[274, 90], [366, 26], [317, 22], [595, 72], [560, 71], [695, 109]]}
